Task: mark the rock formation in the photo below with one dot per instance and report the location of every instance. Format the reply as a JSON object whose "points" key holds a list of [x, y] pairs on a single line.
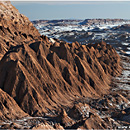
{"points": [[9, 109], [37, 77], [15, 28], [45, 78]]}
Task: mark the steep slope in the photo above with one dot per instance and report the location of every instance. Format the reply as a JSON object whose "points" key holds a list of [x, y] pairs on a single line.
{"points": [[15, 28], [44, 77], [9, 108]]}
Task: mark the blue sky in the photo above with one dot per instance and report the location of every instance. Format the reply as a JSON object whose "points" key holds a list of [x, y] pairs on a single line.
{"points": [[73, 10]]}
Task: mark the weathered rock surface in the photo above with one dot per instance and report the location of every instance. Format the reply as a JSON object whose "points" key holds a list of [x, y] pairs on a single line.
{"points": [[15, 28], [45, 78], [9, 109], [54, 80]]}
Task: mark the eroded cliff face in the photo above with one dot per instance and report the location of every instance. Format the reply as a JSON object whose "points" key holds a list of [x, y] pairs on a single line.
{"points": [[40, 77], [45, 78], [9, 109], [15, 28]]}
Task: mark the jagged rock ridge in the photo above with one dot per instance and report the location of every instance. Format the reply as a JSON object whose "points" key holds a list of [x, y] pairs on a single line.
{"points": [[55, 76], [43, 77]]}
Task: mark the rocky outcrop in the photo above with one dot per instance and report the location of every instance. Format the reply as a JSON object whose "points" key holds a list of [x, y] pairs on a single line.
{"points": [[55, 76], [9, 109], [15, 28], [42, 78]]}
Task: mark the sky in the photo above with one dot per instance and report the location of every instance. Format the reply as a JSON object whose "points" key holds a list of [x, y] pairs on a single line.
{"points": [[73, 10]]}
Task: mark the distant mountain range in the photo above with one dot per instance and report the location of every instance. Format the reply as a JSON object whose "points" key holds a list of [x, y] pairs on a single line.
{"points": [[88, 22]]}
